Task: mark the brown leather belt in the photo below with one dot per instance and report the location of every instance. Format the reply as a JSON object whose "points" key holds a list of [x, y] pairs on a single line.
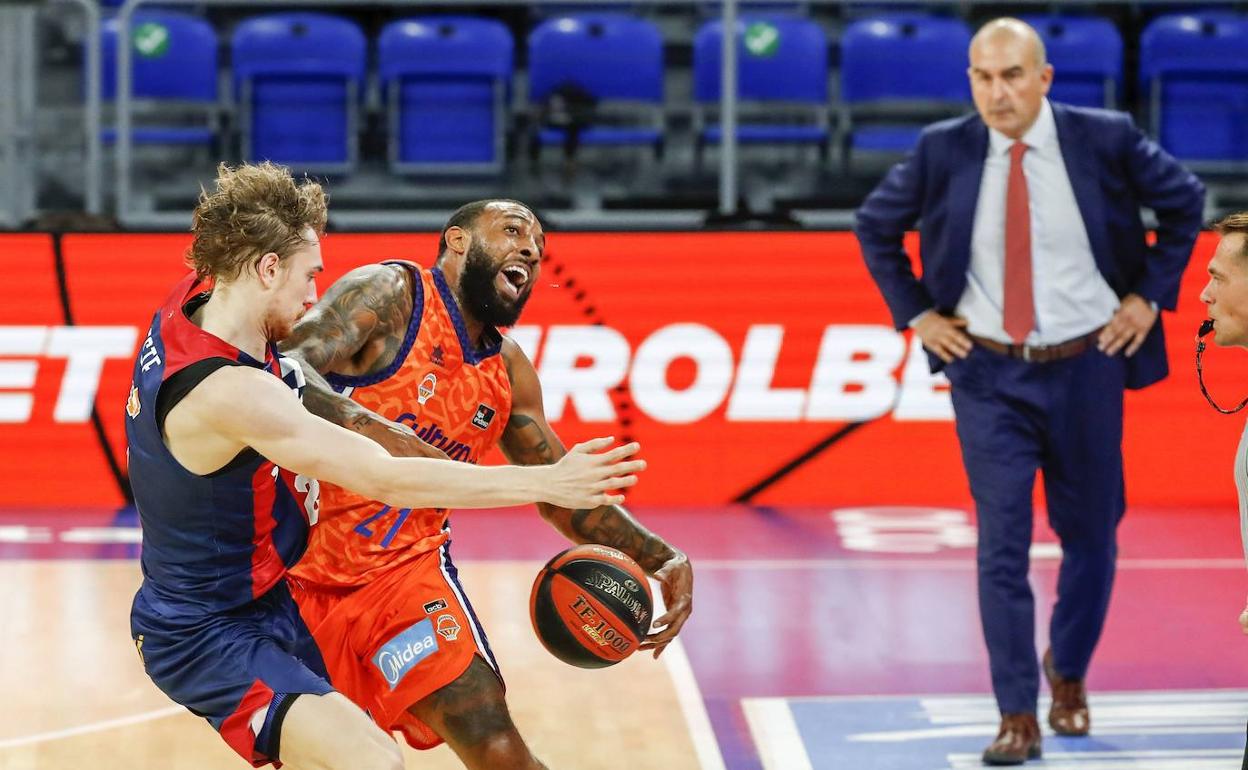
{"points": [[1040, 354]]}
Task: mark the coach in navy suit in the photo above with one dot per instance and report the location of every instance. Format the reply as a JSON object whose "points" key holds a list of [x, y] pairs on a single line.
{"points": [[1039, 297]]}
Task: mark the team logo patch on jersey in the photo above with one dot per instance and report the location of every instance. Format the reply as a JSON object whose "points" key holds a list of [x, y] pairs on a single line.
{"points": [[437, 356], [448, 629], [483, 417], [132, 404], [425, 391], [401, 654], [434, 606]]}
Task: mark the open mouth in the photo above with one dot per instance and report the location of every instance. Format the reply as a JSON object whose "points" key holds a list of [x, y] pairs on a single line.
{"points": [[511, 280]]}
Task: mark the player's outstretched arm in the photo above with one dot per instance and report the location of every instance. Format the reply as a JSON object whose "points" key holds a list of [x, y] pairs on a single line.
{"points": [[254, 409], [361, 319], [529, 440]]}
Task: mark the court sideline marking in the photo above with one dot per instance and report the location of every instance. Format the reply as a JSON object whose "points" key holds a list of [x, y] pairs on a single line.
{"points": [[887, 563], [966, 564], [92, 727], [775, 734], [692, 706]]}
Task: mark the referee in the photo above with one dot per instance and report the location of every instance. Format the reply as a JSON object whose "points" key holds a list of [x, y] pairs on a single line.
{"points": [[1226, 297]]}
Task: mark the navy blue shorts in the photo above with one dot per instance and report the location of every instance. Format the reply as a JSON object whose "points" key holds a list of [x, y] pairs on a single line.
{"points": [[226, 667]]}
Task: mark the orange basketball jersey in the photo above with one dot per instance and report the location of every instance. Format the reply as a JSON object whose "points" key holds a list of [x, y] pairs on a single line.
{"points": [[455, 398]]}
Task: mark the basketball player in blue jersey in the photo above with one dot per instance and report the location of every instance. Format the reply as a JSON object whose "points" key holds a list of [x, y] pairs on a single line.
{"points": [[381, 332], [224, 461]]}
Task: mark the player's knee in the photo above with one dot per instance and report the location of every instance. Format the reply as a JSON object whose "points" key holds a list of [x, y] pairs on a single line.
{"points": [[379, 753], [505, 751]]}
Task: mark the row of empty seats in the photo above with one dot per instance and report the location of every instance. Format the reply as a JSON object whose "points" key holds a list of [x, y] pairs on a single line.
{"points": [[598, 79]]}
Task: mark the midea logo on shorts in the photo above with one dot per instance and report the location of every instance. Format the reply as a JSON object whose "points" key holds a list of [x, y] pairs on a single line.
{"points": [[401, 654]]}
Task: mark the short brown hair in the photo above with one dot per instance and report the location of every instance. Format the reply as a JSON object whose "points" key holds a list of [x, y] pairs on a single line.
{"points": [[254, 210], [1235, 223]]}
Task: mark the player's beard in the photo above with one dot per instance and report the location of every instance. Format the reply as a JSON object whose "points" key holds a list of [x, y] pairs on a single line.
{"points": [[480, 295]]}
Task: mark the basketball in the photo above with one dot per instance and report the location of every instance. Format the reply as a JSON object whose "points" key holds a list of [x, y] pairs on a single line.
{"points": [[591, 606]]}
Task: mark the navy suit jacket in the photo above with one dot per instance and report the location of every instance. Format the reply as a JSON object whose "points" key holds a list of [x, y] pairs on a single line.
{"points": [[1114, 169]]}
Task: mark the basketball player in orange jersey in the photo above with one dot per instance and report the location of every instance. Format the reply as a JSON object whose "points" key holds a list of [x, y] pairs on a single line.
{"points": [[216, 435], [422, 348]]}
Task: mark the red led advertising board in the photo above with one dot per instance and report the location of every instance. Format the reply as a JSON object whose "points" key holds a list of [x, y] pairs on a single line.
{"points": [[757, 366]]}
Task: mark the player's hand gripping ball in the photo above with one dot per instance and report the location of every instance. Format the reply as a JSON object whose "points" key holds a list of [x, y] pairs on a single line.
{"points": [[591, 606]]}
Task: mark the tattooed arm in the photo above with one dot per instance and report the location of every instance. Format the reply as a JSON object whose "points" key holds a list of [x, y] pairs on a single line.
{"points": [[529, 440], [356, 329]]}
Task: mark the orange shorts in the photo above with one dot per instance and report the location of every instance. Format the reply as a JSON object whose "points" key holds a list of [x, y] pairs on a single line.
{"points": [[392, 642]]}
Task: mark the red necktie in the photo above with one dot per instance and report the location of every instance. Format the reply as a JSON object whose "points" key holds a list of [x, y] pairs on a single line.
{"points": [[1020, 306]]}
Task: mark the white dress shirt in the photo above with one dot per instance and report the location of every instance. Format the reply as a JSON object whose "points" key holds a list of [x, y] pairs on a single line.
{"points": [[1072, 297]]}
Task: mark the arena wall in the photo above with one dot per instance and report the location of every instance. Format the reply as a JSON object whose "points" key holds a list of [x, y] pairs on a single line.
{"points": [[757, 367]]}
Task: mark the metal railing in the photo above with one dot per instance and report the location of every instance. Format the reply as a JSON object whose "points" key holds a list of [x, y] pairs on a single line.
{"points": [[19, 156]]}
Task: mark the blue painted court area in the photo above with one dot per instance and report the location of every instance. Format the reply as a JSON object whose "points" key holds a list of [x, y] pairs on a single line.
{"points": [[1189, 730]]}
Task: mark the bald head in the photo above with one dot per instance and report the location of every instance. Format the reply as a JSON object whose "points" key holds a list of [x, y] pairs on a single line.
{"points": [[1009, 75], [1011, 31]]}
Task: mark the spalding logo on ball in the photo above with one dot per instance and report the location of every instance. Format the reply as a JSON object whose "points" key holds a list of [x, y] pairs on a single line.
{"points": [[591, 606]]}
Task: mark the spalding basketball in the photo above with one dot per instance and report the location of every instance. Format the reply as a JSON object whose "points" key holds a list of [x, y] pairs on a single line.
{"points": [[591, 606]]}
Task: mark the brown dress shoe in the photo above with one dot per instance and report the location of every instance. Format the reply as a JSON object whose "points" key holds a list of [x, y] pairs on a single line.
{"points": [[1069, 713], [1017, 741]]}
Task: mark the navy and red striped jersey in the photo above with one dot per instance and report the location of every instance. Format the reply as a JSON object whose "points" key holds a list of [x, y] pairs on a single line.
{"points": [[215, 542]]}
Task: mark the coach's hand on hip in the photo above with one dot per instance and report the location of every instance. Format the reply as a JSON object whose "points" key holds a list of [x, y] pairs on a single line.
{"points": [[1129, 326], [944, 336]]}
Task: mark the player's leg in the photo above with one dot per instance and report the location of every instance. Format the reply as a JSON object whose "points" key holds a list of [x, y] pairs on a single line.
{"points": [[471, 715], [329, 732], [258, 679], [321, 729]]}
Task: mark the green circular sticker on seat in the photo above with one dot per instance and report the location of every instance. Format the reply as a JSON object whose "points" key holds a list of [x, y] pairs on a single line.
{"points": [[151, 40], [762, 39]]}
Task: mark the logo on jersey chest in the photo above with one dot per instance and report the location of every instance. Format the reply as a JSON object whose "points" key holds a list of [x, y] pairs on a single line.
{"points": [[425, 390], [432, 434], [132, 404], [483, 417], [437, 356]]}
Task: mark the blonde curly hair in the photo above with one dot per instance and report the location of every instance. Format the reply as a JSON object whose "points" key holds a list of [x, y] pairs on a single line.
{"points": [[255, 209]]}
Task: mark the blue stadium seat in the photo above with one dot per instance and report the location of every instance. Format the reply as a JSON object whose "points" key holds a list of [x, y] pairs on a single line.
{"points": [[616, 59], [898, 72], [446, 81], [855, 9], [1194, 69], [299, 77], [782, 80], [1086, 54], [1149, 10], [539, 11], [173, 75], [766, 8]]}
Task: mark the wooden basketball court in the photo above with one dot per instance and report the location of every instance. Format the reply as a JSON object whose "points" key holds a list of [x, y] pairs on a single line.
{"points": [[75, 695], [821, 639]]}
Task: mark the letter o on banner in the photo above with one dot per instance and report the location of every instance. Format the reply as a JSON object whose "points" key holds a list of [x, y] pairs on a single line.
{"points": [[712, 358]]}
